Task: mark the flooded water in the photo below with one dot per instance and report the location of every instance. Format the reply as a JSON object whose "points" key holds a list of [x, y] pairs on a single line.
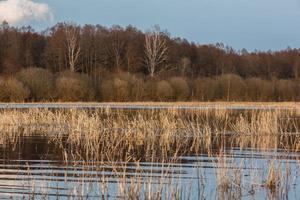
{"points": [[133, 106], [78, 154], [35, 169]]}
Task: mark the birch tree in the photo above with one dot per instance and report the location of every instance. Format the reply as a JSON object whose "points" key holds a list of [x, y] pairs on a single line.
{"points": [[72, 45], [155, 50]]}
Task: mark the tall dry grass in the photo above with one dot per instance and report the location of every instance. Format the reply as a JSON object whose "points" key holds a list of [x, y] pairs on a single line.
{"points": [[111, 137], [164, 132]]}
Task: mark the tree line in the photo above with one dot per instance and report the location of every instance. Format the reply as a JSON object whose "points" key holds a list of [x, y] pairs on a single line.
{"points": [[68, 62]]}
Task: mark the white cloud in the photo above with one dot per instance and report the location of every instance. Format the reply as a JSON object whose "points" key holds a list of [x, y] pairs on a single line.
{"points": [[20, 11]]}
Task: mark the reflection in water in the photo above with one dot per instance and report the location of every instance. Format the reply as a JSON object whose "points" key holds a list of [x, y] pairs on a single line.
{"points": [[149, 154], [37, 168]]}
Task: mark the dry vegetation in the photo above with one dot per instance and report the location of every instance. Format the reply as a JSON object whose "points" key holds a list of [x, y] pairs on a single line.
{"points": [[125, 64], [41, 85], [169, 131], [163, 136]]}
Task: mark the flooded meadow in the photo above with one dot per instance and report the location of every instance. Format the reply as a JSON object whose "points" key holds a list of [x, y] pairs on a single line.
{"points": [[170, 153]]}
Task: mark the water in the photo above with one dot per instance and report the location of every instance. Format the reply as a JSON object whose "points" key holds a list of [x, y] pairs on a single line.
{"points": [[133, 106], [43, 159], [35, 168]]}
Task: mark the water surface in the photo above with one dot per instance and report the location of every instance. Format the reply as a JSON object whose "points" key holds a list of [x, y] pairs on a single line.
{"points": [[37, 168]]}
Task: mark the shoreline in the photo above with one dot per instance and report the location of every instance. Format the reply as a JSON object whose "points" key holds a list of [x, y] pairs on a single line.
{"points": [[156, 105]]}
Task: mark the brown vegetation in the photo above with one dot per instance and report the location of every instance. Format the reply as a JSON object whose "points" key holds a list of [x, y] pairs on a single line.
{"points": [[114, 89], [39, 81], [121, 139], [164, 91], [188, 130], [12, 90], [120, 57], [181, 89], [74, 87], [42, 85]]}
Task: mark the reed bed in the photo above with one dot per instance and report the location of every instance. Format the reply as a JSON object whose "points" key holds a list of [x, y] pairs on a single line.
{"points": [[118, 138], [155, 132]]}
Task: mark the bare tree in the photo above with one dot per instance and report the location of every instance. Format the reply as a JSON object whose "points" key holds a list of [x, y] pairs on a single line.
{"points": [[155, 50], [72, 44], [117, 46]]}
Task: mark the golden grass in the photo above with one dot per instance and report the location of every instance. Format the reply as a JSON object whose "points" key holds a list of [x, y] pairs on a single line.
{"points": [[163, 132], [110, 136]]}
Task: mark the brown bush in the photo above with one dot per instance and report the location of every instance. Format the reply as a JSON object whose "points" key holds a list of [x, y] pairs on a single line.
{"points": [[204, 89], [150, 89], [180, 88], [39, 81], [286, 90], [258, 89], [12, 90], [231, 87], [135, 86], [164, 91], [74, 87], [114, 89]]}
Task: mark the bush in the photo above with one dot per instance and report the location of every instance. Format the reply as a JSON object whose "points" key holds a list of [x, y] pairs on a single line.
{"points": [[286, 90], [150, 89], [180, 88], [231, 87], [12, 90], [114, 90], [39, 81], [204, 89], [74, 87], [258, 89], [164, 91], [135, 86]]}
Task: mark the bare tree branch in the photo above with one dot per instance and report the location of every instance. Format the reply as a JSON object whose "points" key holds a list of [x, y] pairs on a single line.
{"points": [[73, 46], [155, 50]]}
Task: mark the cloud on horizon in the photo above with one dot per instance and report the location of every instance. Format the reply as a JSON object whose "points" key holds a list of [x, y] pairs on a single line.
{"points": [[20, 11]]}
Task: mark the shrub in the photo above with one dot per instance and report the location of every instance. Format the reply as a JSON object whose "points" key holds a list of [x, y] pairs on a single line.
{"points": [[253, 89], [74, 87], [135, 86], [258, 89], [12, 90], [150, 89], [230, 87], [180, 88], [39, 81], [204, 89], [115, 89], [286, 90], [164, 91]]}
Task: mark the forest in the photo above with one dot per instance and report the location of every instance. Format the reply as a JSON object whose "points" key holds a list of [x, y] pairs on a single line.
{"points": [[68, 62]]}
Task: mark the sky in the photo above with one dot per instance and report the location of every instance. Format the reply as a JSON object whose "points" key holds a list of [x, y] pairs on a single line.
{"points": [[250, 24]]}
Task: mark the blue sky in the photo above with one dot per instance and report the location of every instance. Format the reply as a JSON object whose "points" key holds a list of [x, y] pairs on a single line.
{"points": [[250, 24]]}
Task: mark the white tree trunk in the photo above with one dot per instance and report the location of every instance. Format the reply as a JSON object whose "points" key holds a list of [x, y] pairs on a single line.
{"points": [[155, 51], [73, 46]]}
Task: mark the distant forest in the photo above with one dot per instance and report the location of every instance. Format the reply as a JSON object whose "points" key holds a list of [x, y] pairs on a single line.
{"points": [[68, 62]]}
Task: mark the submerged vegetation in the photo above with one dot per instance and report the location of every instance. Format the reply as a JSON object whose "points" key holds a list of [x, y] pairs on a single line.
{"points": [[138, 152]]}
